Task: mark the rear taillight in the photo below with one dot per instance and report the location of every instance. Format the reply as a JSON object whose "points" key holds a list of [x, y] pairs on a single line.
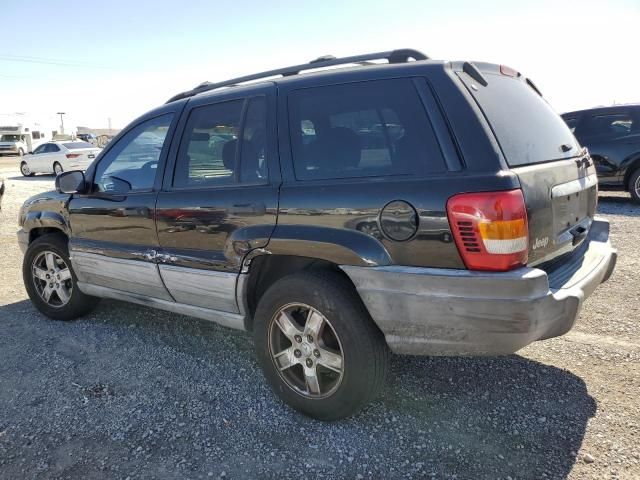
{"points": [[73, 155], [490, 229]]}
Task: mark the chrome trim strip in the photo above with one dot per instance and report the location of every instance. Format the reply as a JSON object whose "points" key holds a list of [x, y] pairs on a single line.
{"points": [[574, 186], [231, 320], [210, 289]]}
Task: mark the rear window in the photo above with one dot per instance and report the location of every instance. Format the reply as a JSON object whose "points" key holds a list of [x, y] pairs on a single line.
{"points": [[363, 129], [76, 145], [527, 128]]}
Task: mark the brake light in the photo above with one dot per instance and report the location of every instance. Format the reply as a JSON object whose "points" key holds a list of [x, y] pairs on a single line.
{"points": [[73, 155], [508, 71], [490, 229]]}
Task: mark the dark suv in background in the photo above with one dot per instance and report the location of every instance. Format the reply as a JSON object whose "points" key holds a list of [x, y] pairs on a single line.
{"points": [[427, 207], [612, 135]]}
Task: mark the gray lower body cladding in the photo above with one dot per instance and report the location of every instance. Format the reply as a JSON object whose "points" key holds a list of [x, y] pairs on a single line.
{"points": [[431, 311]]}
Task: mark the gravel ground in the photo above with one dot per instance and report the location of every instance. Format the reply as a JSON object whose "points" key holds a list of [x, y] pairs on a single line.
{"points": [[129, 392]]}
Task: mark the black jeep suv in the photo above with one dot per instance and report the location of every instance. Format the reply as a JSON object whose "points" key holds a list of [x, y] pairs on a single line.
{"points": [[612, 135], [405, 204]]}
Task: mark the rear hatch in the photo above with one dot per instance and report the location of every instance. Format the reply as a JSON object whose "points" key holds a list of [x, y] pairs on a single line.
{"points": [[557, 176]]}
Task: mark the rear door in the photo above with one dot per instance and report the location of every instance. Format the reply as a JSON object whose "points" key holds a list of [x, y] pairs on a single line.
{"points": [[558, 180], [220, 196], [611, 136]]}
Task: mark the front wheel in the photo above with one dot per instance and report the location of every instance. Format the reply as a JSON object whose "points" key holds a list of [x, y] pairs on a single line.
{"points": [[50, 281], [25, 170], [318, 347], [634, 186]]}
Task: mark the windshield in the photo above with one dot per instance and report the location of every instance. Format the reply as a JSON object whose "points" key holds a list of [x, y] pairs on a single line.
{"points": [[10, 138], [526, 127], [76, 145]]}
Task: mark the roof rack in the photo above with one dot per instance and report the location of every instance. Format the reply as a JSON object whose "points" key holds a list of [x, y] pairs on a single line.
{"points": [[392, 56]]}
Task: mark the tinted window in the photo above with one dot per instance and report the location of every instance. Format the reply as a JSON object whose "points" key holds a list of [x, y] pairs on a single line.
{"points": [[525, 125], [361, 130], [610, 125], [207, 154], [52, 148], [131, 163], [40, 149], [572, 123], [75, 145], [253, 161]]}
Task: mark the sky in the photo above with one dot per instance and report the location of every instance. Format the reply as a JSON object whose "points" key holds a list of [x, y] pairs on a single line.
{"points": [[112, 61]]}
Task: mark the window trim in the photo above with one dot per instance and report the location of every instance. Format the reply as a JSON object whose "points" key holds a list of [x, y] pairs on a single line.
{"points": [[161, 159], [246, 101]]}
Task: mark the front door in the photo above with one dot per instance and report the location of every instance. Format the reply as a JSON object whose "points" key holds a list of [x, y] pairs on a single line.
{"points": [[41, 159], [114, 241], [220, 200]]}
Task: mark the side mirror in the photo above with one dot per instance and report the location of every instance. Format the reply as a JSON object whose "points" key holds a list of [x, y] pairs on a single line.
{"points": [[71, 182]]}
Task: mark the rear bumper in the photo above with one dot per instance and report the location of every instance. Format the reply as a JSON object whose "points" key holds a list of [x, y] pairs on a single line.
{"points": [[430, 311]]}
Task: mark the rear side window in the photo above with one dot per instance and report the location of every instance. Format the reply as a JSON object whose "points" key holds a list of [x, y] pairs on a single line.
{"points": [[364, 129], [207, 154], [609, 125], [219, 147], [527, 128], [572, 123]]}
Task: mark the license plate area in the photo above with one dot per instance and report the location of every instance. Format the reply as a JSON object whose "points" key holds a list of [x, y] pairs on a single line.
{"points": [[572, 209]]}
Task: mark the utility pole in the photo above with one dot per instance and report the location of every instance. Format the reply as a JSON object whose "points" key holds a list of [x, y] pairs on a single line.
{"points": [[61, 122], [109, 121]]}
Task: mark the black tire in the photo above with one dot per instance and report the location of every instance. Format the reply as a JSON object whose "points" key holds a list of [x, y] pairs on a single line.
{"points": [[54, 168], [78, 304], [363, 348], [634, 186], [22, 170]]}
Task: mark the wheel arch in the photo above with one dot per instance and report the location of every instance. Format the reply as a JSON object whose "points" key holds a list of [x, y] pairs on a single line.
{"points": [[266, 269], [295, 248], [630, 165], [42, 223]]}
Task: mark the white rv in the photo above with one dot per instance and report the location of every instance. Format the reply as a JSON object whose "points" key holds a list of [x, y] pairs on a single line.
{"points": [[20, 139]]}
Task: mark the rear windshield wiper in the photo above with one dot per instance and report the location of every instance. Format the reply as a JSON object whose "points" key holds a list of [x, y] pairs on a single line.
{"points": [[565, 147]]}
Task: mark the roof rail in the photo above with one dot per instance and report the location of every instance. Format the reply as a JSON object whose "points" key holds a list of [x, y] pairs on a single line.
{"points": [[392, 56]]}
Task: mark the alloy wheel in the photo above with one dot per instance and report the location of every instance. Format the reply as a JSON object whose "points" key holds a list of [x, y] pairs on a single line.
{"points": [[52, 279], [24, 169], [306, 350]]}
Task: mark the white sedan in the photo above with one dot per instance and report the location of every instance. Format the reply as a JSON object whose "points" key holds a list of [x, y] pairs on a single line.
{"points": [[57, 157]]}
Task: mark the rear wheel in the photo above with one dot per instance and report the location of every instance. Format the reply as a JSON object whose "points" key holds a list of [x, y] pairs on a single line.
{"points": [[50, 281], [25, 170], [318, 347], [21, 153], [634, 186], [57, 168]]}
